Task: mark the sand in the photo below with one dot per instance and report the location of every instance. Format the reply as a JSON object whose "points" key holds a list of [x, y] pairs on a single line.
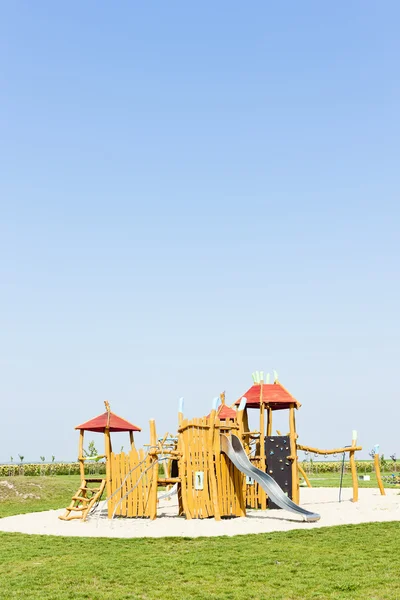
{"points": [[371, 508]]}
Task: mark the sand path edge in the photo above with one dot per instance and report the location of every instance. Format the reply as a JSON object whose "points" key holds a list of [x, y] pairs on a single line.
{"points": [[372, 507]]}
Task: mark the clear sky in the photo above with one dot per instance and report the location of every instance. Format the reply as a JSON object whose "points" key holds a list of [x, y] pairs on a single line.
{"points": [[189, 192]]}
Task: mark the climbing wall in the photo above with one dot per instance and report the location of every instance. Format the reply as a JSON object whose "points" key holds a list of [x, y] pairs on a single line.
{"points": [[277, 449]]}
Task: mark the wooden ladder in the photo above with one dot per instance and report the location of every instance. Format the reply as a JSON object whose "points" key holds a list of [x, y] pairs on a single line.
{"points": [[84, 499]]}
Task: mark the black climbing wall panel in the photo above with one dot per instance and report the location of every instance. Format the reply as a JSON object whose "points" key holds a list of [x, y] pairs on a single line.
{"points": [[277, 449], [174, 468]]}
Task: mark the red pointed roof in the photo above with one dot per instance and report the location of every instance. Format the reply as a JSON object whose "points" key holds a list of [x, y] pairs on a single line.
{"points": [[225, 412], [99, 424], [274, 395]]}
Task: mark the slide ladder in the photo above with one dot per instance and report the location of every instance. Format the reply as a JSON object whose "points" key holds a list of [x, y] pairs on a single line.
{"points": [[233, 448], [84, 499]]}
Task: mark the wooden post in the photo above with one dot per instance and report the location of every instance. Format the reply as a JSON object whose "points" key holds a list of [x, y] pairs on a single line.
{"points": [[211, 467], [180, 412], [239, 419], [240, 414], [182, 485], [154, 471], [304, 474], [293, 453], [107, 452], [246, 420], [353, 467], [132, 441], [263, 464], [378, 474], [262, 431], [269, 421], [81, 457]]}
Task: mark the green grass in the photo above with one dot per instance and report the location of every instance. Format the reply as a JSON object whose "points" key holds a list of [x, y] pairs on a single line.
{"points": [[333, 480], [356, 562], [31, 494]]}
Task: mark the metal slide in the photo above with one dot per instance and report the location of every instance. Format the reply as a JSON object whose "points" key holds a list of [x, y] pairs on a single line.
{"points": [[169, 494], [232, 447]]}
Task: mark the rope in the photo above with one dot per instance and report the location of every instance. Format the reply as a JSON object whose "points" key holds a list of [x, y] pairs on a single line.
{"points": [[341, 474], [160, 447], [118, 489], [135, 486]]}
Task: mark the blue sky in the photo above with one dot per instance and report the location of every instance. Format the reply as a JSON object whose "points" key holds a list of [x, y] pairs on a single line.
{"points": [[192, 192]]}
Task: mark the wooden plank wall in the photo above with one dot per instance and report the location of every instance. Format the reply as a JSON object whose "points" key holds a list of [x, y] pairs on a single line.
{"points": [[201, 453], [136, 503], [230, 481], [195, 447]]}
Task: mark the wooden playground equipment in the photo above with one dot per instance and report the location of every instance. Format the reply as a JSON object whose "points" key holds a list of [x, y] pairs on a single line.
{"points": [[196, 462], [87, 495]]}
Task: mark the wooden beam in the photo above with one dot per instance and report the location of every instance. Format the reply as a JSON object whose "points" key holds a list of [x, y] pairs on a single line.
{"points": [[107, 452], [261, 452], [304, 474], [334, 451], [378, 474], [154, 471], [293, 452], [269, 421], [211, 467], [81, 462], [353, 467]]}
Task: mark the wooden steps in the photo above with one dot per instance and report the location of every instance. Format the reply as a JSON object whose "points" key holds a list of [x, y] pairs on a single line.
{"points": [[84, 499]]}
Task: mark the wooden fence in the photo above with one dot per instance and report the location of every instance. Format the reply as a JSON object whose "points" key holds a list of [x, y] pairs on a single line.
{"points": [[210, 484], [134, 472]]}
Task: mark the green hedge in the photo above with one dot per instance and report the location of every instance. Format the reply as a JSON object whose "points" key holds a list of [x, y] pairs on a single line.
{"points": [[334, 467], [366, 466], [40, 469]]}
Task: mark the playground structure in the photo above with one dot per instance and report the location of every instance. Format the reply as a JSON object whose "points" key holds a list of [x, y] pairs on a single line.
{"points": [[217, 466]]}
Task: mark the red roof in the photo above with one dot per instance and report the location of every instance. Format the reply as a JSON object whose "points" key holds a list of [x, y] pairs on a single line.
{"points": [[99, 424], [225, 412], [274, 395]]}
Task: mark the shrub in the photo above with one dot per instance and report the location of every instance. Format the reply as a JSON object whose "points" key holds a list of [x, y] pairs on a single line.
{"points": [[336, 466], [37, 469]]}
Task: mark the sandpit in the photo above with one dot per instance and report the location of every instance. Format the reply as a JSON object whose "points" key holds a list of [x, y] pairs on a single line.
{"points": [[372, 507]]}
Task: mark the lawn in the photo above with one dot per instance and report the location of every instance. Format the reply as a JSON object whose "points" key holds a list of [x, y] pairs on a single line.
{"points": [[353, 562], [29, 494], [333, 480], [342, 563]]}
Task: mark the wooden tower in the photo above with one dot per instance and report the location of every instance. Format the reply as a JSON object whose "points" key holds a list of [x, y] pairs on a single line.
{"points": [[267, 398], [88, 494]]}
